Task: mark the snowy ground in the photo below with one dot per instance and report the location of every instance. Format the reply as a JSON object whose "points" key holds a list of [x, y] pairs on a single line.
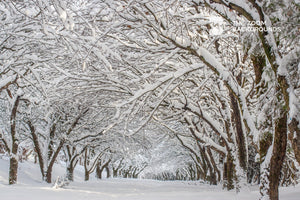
{"points": [[29, 187]]}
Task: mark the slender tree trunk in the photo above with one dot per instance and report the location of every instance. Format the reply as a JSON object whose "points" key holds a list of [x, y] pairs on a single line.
{"points": [[229, 172], [240, 139], [13, 163], [37, 148], [107, 172], [115, 170], [214, 164], [99, 171], [86, 175], [294, 137], [278, 155], [213, 178], [50, 167]]}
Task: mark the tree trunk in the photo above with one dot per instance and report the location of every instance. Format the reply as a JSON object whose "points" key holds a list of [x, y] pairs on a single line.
{"points": [[212, 178], [99, 171], [49, 175], [115, 173], [50, 167], [13, 168], [35, 141], [71, 166], [278, 155], [229, 173], [214, 164], [13, 165], [294, 137], [70, 173], [86, 175], [107, 172], [240, 139]]}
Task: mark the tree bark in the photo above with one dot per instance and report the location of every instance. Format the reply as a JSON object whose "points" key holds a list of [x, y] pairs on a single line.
{"points": [[294, 137], [86, 175], [13, 163], [214, 164], [115, 172], [37, 147], [99, 171], [107, 172], [229, 172], [70, 172], [240, 139], [50, 166], [278, 155]]}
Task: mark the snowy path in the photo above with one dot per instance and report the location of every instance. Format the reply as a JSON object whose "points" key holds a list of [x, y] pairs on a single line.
{"points": [[30, 187], [120, 189]]}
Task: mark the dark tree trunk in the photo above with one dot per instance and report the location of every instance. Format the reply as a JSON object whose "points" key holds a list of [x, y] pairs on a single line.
{"points": [[212, 178], [115, 173], [13, 163], [49, 175], [52, 161], [214, 164], [229, 173], [37, 147], [99, 171], [240, 139], [278, 155], [259, 62], [198, 172], [70, 168], [86, 175], [107, 172], [70, 173], [116, 170]]}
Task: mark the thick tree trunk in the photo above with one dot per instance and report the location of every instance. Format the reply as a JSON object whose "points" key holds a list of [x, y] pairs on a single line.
{"points": [[49, 175], [71, 166], [115, 173], [278, 155], [70, 173]]}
